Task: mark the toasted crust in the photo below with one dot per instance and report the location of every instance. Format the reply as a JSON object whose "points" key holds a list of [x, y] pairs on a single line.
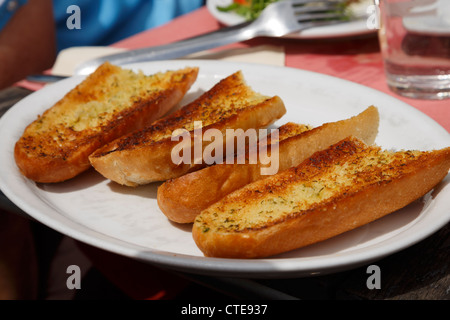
{"points": [[145, 156], [108, 104], [182, 199], [336, 190]]}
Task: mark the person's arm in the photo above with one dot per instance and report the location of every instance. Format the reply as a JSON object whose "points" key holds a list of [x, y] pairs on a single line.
{"points": [[27, 42]]}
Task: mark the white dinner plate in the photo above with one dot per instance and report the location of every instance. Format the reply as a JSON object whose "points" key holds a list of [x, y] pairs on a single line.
{"points": [[128, 221], [347, 29]]}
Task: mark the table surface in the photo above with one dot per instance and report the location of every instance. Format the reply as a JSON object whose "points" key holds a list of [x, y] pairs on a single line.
{"points": [[419, 272]]}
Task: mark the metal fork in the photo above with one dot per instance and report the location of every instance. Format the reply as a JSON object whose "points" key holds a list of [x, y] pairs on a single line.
{"points": [[276, 20]]}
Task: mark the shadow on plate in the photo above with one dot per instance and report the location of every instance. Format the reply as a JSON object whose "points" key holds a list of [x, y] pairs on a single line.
{"points": [[186, 227], [148, 191], [83, 181], [145, 191]]}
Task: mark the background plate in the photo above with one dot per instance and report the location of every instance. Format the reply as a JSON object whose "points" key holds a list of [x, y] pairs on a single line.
{"points": [[128, 221], [347, 29]]}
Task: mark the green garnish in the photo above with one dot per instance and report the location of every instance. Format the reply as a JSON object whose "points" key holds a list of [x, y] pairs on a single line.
{"points": [[249, 12]]}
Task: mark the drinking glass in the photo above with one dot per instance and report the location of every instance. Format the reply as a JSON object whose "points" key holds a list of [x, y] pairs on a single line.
{"points": [[415, 43]]}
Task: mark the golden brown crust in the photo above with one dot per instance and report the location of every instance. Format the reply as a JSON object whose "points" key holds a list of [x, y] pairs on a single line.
{"points": [[182, 199], [144, 156], [56, 146], [334, 191]]}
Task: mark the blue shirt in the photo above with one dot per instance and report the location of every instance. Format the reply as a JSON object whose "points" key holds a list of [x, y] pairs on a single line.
{"points": [[103, 22], [7, 10]]}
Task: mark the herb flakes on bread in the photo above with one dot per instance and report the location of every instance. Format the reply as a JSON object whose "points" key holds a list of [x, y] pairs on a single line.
{"points": [[106, 105], [336, 190]]}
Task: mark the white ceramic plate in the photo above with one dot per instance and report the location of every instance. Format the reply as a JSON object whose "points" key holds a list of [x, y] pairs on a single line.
{"points": [[347, 29], [128, 221]]}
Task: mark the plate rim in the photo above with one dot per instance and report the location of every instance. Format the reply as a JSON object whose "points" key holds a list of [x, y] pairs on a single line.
{"points": [[213, 266]]}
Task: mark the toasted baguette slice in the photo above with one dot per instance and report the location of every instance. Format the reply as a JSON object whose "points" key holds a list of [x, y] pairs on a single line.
{"points": [[146, 155], [334, 191], [106, 105], [182, 199]]}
